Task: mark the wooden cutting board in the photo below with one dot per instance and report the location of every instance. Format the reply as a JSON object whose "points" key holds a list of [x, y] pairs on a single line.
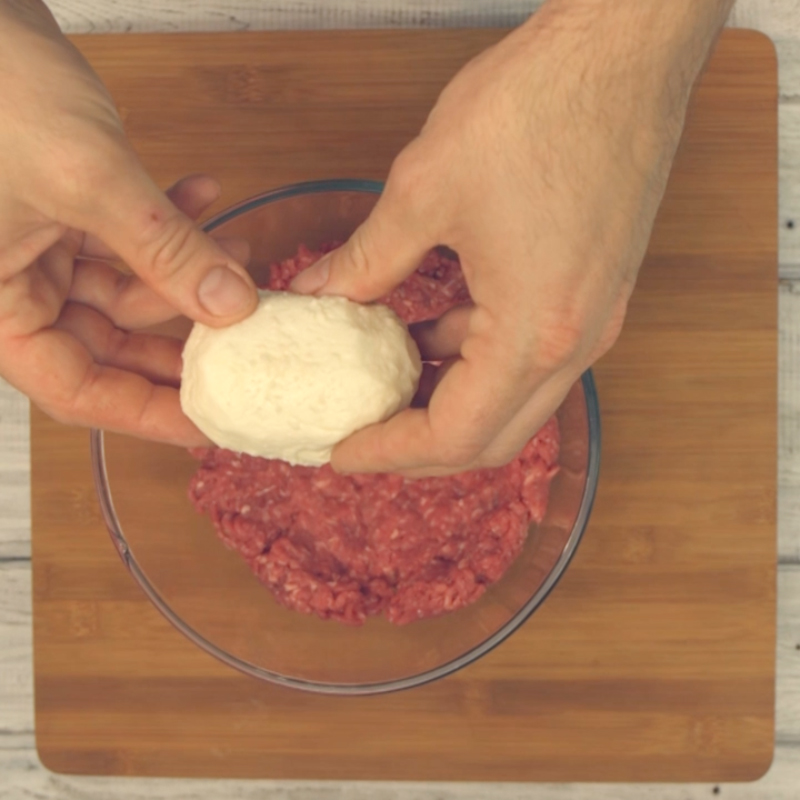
{"points": [[654, 658]]}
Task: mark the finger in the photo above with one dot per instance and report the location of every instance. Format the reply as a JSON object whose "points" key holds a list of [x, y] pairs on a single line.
{"points": [[510, 441], [60, 376], [442, 338], [192, 195], [236, 247], [384, 250], [25, 249], [530, 419], [32, 298], [161, 244], [473, 402], [431, 377], [425, 387], [157, 358], [126, 299]]}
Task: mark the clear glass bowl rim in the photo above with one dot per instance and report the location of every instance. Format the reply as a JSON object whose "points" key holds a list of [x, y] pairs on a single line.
{"points": [[101, 482]]}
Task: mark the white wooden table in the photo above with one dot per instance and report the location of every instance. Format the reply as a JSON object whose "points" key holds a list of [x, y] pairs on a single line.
{"points": [[21, 774]]}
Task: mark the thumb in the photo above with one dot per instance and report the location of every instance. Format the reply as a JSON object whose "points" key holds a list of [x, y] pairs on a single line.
{"points": [[382, 252], [168, 252]]}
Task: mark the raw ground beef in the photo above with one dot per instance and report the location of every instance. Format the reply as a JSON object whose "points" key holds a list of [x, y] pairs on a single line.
{"points": [[354, 546], [434, 288]]}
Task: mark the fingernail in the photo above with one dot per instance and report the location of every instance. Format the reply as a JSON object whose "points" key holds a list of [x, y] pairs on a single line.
{"points": [[311, 280], [223, 293]]}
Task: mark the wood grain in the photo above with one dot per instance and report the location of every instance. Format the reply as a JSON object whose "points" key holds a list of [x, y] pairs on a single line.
{"points": [[776, 18], [160, 16], [654, 659], [14, 475], [22, 775]]}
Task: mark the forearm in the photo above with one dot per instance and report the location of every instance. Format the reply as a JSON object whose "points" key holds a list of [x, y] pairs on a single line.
{"points": [[28, 11], [666, 38], [629, 63]]}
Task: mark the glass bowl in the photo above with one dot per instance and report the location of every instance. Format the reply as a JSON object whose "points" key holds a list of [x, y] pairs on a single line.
{"points": [[209, 593]]}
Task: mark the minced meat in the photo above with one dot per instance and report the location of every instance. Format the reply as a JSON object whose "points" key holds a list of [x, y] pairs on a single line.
{"points": [[347, 547]]}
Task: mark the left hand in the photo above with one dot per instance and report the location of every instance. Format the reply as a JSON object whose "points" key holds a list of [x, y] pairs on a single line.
{"points": [[69, 337]]}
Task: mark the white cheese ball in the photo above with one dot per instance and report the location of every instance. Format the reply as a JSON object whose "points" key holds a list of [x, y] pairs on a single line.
{"points": [[298, 375]]}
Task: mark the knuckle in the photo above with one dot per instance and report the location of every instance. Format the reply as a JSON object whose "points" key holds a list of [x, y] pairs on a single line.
{"points": [[85, 168], [611, 332], [165, 244], [604, 344], [65, 397], [409, 175], [559, 339], [358, 254], [116, 342], [61, 407], [569, 333], [352, 266], [59, 415], [360, 271]]}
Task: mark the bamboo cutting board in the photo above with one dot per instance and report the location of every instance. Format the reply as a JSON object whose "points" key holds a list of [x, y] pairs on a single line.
{"points": [[654, 658]]}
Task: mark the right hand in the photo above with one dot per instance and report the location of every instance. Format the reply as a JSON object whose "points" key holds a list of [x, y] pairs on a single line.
{"points": [[542, 165], [72, 181]]}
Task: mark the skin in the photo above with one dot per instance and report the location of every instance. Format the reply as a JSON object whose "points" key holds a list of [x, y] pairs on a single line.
{"points": [[542, 164], [75, 198]]}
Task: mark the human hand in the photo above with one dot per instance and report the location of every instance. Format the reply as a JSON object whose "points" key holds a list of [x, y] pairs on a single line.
{"points": [[69, 171], [542, 165], [70, 338]]}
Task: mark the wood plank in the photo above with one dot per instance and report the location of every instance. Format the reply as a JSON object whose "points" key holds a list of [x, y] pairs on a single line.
{"points": [[789, 231], [789, 422], [15, 536], [777, 18], [16, 645], [16, 685], [787, 720], [86, 15], [21, 771], [15, 507], [680, 563], [23, 776], [161, 16]]}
